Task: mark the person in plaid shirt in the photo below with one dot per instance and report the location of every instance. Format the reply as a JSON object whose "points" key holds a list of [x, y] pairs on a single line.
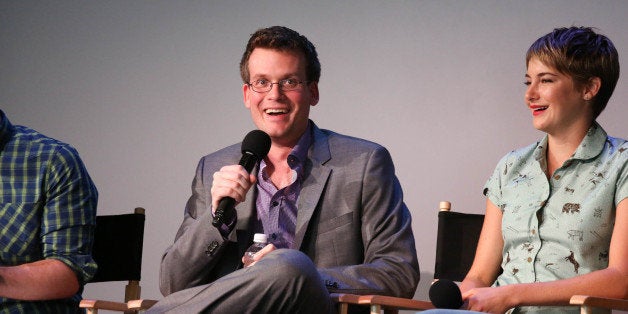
{"points": [[47, 218]]}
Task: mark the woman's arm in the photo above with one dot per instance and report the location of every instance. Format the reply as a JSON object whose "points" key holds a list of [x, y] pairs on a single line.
{"points": [[611, 282], [488, 255]]}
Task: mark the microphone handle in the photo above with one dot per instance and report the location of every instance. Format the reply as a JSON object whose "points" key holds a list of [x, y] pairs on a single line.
{"points": [[225, 210]]}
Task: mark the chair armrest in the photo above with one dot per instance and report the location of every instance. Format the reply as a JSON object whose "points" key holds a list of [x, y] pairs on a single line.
{"points": [[598, 302], [383, 302], [345, 298], [141, 304], [103, 305]]}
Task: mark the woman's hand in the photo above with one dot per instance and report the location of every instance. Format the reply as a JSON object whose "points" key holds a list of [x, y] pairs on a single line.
{"points": [[490, 299]]}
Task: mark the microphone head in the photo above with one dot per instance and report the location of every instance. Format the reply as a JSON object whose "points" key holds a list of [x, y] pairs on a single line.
{"points": [[445, 294], [257, 143]]}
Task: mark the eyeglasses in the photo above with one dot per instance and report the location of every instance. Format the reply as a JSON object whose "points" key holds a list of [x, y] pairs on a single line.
{"points": [[263, 85]]}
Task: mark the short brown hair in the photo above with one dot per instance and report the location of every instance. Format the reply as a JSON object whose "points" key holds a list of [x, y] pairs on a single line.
{"points": [[582, 54], [283, 39]]}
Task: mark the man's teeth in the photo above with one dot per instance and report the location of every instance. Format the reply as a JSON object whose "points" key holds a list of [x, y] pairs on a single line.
{"points": [[276, 111]]}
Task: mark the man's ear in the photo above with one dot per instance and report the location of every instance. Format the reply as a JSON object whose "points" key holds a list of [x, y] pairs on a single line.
{"points": [[313, 87], [245, 95]]}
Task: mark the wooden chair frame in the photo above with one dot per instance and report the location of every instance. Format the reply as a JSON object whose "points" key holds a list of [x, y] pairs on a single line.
{"points": [[132, 289]]}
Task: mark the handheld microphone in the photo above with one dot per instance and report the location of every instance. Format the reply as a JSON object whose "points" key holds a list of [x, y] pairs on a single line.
{"points": [[445, 294], [255, 146]]}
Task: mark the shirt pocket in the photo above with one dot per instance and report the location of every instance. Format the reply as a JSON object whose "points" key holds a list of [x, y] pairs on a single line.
{"points": [[335, 223]]}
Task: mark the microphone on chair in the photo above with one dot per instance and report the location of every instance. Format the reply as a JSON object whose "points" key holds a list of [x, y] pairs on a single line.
{"points": [[255, 146], [445, 294]]}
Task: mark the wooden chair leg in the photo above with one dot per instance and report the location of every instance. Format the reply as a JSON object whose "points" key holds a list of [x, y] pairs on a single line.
{"points": [[132, 291], [343, 308], [376, 309], [592, 310]]}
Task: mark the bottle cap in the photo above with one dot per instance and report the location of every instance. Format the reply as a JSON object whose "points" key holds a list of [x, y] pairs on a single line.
{"points": [[260, 238]]}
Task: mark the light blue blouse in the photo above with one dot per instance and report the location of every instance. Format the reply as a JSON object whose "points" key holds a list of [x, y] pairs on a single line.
{"points": [[559, 228]]}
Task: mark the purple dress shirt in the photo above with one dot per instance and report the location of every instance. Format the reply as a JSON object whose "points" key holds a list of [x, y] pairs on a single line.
{"points": [[277, 209]]}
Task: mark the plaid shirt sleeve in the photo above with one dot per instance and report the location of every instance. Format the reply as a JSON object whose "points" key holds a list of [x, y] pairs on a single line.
{"points": [[69, 213]]}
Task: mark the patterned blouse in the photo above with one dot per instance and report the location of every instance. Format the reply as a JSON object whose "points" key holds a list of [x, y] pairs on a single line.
{"points": [[558, 228]]}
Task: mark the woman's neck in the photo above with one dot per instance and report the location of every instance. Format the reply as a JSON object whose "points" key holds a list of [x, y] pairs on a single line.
{"points": [[560, 147]]}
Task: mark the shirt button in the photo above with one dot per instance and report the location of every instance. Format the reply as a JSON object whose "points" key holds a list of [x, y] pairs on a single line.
{"points": [[533, 231], [529, 259], [556, 176]]}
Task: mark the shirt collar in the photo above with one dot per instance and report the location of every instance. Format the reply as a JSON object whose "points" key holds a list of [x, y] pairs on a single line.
{"points": [[297, 156], [591, 146], [6, 130], [299, 152]]}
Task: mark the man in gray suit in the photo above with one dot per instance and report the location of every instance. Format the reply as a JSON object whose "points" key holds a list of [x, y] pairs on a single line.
{"points": [[330, 204]]}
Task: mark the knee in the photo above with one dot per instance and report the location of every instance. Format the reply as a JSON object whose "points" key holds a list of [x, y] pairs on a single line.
{"points": [[290, 278], [286, 267], [292, 264]]}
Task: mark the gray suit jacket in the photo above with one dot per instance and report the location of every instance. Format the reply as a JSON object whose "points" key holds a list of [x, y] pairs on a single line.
{"points": [[352, 222]]}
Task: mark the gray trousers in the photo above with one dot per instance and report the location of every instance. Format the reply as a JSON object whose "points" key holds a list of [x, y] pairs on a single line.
{"points": [[284, 281]]}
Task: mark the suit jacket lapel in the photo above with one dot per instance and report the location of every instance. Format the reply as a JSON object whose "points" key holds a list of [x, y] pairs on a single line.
{"points": [[316, 175]]}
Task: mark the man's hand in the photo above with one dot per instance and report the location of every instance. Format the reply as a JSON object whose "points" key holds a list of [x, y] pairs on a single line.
{"points": [[232, 181], [258, 256]]}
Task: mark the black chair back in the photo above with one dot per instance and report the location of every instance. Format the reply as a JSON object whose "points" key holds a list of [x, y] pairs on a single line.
{"points": [[118, 243], [457, 239]]}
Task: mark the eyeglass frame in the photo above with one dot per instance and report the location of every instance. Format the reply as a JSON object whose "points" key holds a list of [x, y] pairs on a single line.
{"points": [[278, 83]]}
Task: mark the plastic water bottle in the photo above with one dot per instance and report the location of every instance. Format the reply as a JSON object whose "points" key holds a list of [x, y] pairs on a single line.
{"points": [[259, 242]]}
